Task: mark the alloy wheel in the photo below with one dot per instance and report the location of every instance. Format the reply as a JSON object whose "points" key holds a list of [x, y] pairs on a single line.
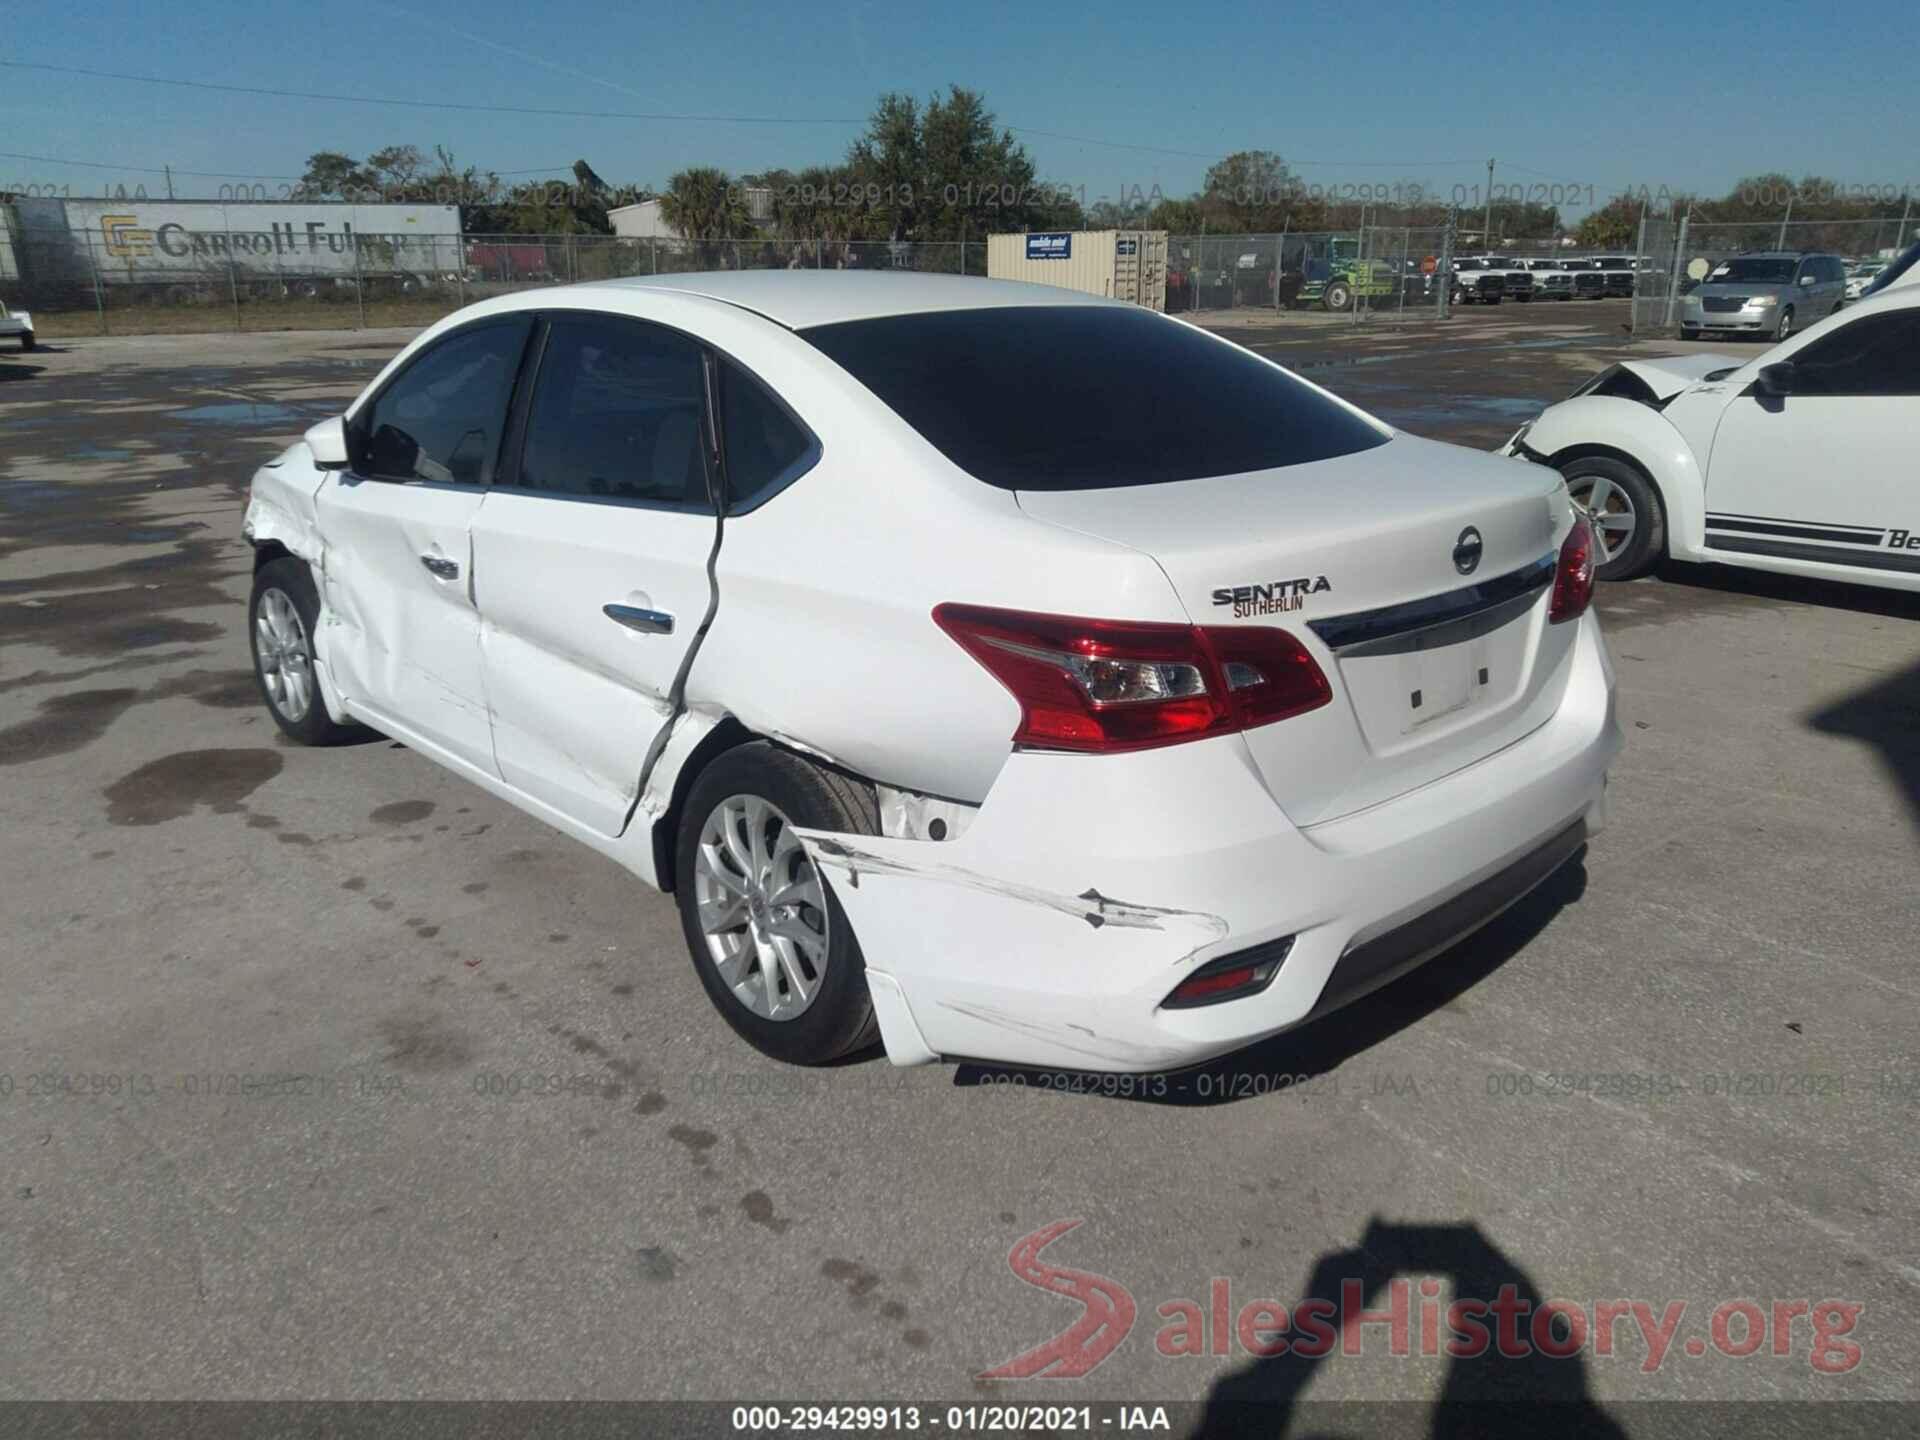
{"points": [[1614, 518], [761, 907], [284, 654]]}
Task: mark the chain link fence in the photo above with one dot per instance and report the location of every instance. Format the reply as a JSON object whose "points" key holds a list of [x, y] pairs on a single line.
{"points": [[1675, 254], [1376, 271], [75, 283]]}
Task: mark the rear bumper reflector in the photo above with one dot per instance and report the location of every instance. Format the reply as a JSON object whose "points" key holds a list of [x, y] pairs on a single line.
{"points": [[1230, 977]]}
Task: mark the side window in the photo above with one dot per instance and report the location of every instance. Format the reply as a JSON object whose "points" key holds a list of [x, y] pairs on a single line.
{"points": [[616, 414], [1874, 355], [767, 449], [441, 417]]}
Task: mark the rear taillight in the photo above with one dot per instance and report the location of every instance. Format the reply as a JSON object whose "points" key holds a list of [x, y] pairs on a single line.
{"points": [[1105, 685], [1573, 576]]}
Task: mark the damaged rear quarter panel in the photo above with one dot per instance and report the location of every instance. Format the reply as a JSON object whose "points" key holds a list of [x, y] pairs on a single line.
{"points": [[1079, 895]]}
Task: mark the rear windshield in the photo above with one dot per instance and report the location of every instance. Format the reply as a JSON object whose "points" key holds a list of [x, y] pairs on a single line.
{"points": [[1088, 397]]}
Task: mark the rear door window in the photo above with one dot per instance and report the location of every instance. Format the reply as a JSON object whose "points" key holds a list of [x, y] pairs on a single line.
{"points": [[616, 415], [767, 448], [1089, 397]]}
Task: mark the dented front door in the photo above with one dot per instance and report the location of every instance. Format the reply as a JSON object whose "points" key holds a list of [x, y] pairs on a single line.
{"points": [[590, 557], [400, 634]]}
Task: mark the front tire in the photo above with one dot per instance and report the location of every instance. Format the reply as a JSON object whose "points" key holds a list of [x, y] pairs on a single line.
{"points": [[1626, 510], [1337, 297], [771, 945], [1689, 332], [282, 618], [1783, 327], [26, 340]]}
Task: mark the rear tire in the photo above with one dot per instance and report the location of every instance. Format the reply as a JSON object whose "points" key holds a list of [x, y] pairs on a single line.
{"points": [[731, 911], [282, 618], [1632, 522]]}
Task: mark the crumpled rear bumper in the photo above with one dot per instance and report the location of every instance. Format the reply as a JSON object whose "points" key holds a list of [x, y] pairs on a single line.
{"points": [[1087, 887]]}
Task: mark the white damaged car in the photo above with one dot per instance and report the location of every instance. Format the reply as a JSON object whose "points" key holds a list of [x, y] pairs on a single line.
{"points": [[988, 669], [1798, 460]]}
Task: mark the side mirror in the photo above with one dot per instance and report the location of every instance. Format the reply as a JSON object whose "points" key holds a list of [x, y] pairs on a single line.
{"points": [[328, 442], [1775, 379], [1807, 279]]}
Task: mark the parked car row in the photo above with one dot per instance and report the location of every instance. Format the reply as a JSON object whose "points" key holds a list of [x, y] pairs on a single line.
{"points": [[1489, 279]]}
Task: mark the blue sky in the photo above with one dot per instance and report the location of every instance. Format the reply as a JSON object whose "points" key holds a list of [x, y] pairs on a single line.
{"points": [[1591, 97]]}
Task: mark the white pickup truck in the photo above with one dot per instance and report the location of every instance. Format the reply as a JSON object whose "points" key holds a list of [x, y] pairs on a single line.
{"points": [[18, 323]]}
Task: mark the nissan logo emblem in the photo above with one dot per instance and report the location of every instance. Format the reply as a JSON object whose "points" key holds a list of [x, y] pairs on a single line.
{"points": [[1466, 551]]}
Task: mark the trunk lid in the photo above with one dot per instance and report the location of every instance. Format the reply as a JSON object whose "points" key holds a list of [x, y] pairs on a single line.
{"points": [[1435, 662]]}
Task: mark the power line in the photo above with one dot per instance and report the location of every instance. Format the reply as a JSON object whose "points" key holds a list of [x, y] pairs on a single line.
{"points": [[554, 113], [216, 174], [141, 169], [277, 94]]}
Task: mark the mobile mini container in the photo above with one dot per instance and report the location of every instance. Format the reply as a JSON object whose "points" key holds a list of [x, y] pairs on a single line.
{"points": [[1121, 264]]}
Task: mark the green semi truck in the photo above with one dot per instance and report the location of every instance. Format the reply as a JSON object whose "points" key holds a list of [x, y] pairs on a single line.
{"points": [[1330, 273]]}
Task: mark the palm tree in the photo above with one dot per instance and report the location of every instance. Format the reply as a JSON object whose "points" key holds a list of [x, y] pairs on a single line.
{"points": [[705, 206]]}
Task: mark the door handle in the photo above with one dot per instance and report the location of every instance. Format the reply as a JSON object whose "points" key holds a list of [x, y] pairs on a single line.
{"points": [[647, 622], [440, 567]]}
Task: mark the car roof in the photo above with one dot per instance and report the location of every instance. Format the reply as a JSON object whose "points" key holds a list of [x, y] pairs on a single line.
{"points": [[798, 299]]}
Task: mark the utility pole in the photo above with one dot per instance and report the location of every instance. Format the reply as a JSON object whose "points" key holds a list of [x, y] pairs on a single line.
{"points": [[1905, 214], [1783, 223], [169, 170], [1486, 239]]}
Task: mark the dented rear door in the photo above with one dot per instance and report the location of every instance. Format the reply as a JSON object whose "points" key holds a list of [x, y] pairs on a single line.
{"points": [[590, 556]]}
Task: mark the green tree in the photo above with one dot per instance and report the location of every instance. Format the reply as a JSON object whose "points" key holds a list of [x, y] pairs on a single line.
{"points": [[395, 168], [1252, 190], [886, 168], [1526, 220], [333, 176], [945, 171], [705, 206], [1614, 226]]}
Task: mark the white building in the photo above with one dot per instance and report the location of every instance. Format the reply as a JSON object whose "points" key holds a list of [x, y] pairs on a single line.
{"points": [[641, 222]]}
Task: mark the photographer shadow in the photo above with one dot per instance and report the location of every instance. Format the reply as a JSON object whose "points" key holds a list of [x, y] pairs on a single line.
{"points": [[1512, 1390]]}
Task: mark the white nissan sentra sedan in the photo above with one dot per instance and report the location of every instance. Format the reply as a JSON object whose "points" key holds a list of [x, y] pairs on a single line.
{"points": [[991, 669]]}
